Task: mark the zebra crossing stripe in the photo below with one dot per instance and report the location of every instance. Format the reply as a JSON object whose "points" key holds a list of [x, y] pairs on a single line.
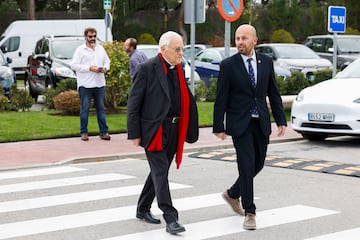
{"points": [[37, 226], [39, 172], [232, 225], [48, 201], [351, 234], [62, 182]]}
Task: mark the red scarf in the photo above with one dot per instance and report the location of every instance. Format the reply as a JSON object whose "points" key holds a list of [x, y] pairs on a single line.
{"points": [[156, 143]]}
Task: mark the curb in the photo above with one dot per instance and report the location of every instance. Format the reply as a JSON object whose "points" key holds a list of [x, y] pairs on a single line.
{"points": [[142, 155]]}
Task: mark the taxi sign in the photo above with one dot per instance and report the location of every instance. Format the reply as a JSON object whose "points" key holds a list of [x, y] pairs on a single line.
{"points": [[230, 10], [336, 19]]}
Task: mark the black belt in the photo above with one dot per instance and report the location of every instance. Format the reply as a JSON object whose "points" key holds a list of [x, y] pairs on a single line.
{"points": [[172, 119]]}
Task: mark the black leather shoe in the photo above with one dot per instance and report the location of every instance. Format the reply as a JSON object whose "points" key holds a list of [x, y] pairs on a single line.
{"points": [[148, 217], [174, 228]]}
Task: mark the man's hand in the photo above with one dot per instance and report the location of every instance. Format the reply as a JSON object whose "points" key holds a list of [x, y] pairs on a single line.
{"points": [[221, 135], [281, 130], [136, 141]]}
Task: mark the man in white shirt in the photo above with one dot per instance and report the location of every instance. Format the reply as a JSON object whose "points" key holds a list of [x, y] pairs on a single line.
{"points": [[90, 62]]}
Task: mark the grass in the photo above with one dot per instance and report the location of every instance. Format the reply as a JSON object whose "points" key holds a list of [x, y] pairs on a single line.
{"points": [[33, 125]]}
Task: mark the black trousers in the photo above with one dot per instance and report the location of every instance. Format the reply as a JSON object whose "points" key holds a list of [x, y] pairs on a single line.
{"points": [[251, 150], [157, 183]]}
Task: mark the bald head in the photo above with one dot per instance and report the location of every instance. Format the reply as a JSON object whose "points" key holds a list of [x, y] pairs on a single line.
{"points": [[246, 39]]}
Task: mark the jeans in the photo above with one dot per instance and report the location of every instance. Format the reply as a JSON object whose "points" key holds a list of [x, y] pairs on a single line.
{"points": [[86, 94]]}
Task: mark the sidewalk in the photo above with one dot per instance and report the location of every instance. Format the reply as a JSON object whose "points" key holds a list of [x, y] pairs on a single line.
{"points": [[70, 150]]}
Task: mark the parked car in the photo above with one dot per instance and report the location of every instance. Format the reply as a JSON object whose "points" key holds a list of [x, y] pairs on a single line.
{"points": [[207, 63], [150, 50], [348, 48], [50, 62], [329, 108], [197, 48], [294, 58], [7, 75]]}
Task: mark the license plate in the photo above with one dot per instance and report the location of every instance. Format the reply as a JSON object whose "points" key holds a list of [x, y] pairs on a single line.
{"points": [[321, 117]]}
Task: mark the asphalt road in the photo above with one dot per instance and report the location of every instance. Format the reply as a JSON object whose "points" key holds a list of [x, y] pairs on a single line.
{"points": [[97, 201]]}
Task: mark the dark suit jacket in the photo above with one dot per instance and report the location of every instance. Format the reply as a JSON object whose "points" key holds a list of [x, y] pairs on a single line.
{"points": [[149, 103], [235, 96]]}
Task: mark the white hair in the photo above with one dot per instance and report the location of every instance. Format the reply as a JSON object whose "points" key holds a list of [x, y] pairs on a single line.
{"points": [[165, 38]]}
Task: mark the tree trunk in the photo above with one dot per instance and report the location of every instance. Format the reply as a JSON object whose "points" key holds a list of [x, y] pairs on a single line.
{"points": [[181, 23], [32, 9]]}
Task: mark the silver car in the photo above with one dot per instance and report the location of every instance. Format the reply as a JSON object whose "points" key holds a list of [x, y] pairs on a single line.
{"points": [[294, 58]]}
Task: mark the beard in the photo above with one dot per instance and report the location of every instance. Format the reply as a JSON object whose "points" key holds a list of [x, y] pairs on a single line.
{"points": [[91, 42]]}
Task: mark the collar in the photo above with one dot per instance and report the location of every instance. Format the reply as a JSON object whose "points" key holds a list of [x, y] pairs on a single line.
{"points": [[168, 63], [245, 58]]}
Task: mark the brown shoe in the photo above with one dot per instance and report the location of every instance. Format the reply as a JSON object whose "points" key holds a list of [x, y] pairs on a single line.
{"points": [[84, 137], [105, 136], [249, 222], [234, 203]]}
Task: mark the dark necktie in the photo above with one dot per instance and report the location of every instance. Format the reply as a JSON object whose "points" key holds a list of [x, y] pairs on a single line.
{"points": [[254, 111], [251, 73]]}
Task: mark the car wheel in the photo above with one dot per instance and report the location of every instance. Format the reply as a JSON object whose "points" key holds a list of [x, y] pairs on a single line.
{"points": [[314, 137]]}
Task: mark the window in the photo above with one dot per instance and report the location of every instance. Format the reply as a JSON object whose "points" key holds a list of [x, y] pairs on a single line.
{"points": [[11, 45]]}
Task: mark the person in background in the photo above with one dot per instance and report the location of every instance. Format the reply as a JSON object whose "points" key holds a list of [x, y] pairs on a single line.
{"points": [[135, 55], [245, 80], [161, 116], [90, 62]]}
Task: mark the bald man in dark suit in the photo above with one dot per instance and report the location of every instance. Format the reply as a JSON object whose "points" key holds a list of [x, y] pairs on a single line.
{"points": [[245, 80]]}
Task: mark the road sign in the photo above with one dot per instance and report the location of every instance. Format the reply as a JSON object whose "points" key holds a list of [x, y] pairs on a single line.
{"points": [[336, 19], [230, 10], [195, 5], [107, 4]]}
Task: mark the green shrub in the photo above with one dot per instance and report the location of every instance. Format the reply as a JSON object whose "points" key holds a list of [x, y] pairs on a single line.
{"points": [[295, 83], [321, 75], [281, 83], [19, 99], [3, 102], [68, 102], [146, 38], [281, 36], [63, 85], [200, 91], [118, 80], [211, 94]]}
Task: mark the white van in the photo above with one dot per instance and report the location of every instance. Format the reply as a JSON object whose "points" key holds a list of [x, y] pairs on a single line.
{"points": [[18, 40]]}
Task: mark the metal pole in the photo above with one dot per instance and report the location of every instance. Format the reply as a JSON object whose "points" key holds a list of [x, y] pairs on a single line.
{"points": [[106, 25], [334, 55], [192, 42], [80, 14], [227, 38]]}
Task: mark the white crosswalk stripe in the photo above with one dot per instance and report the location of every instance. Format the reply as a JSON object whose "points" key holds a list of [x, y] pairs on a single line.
{"points": [[351, 234], [36, 185], [62, 199], [39, 172], [230, 225], [32, 213]]}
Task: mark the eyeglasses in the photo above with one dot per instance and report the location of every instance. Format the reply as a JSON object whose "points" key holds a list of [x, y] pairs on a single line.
{"points": [[91, 36], [178, 49]]}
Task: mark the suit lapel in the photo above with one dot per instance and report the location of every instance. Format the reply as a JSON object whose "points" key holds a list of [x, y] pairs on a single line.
{"points": [[240, 62], [162, 77]]}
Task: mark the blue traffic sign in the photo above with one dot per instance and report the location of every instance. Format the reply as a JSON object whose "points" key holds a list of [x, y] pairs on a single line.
{"points": [[230, 10], [336, 19]]}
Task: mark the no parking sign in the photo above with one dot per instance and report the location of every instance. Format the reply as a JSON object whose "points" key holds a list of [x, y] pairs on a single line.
{"points": [[230, 10]]}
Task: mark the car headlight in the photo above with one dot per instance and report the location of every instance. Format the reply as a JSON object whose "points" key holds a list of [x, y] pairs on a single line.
{"points": [[64, 72], [357, 100]]}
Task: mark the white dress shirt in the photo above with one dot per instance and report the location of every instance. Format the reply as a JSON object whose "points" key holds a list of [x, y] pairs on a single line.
{"points": [[83, 58]]}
